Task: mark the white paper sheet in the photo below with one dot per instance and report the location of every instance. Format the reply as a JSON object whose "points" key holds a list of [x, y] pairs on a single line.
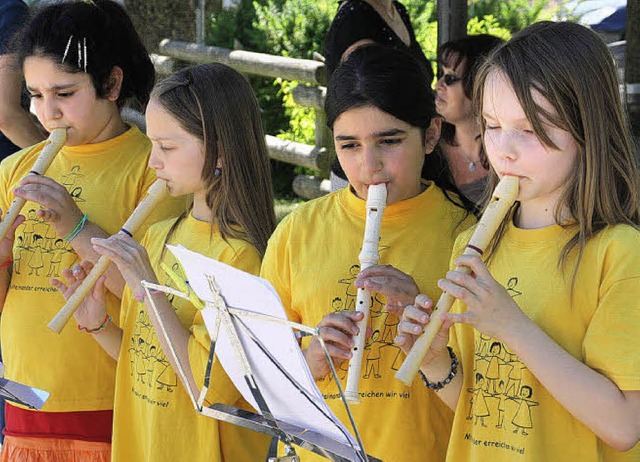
{"points": [[247, 292]]}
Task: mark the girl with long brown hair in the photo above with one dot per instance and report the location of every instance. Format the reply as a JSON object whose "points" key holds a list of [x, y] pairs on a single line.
{"points": [[208, 141], [546, 326]]}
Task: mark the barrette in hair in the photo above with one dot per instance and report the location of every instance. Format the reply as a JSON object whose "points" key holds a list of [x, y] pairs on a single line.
{"points": [[66, 50]]}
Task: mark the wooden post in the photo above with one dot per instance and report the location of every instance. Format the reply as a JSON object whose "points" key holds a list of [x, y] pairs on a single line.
{"points": [[452, 20], [201, 22], [314, 97], [300, 154], [164, 65], [310, 96], [310, 187], [324, 138]]}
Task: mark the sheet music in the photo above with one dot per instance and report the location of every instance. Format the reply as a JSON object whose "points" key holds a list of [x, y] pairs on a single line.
{"points": [[18, 393], [251, 293]]}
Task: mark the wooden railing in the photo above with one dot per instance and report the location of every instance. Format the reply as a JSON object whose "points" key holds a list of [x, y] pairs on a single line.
{"points": [[307, 72]]}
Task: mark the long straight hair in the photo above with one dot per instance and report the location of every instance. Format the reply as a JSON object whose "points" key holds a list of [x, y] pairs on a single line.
{"points": [[216, 104], [571, 67]]}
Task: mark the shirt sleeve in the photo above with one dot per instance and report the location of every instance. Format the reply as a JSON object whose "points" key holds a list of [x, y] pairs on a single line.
{"points": [[276, 265], [611, 343]]}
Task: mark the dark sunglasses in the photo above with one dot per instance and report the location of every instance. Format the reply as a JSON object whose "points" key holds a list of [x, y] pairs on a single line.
{"points": [[449, 79]]}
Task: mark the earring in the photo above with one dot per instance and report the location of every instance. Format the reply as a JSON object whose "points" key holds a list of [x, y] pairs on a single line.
{"points": [[217, 172]]}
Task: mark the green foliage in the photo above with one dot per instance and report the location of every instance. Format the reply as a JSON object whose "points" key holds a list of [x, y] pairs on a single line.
{"points": [[513, 15], [487, 25], [237, 24], [294, 28], [420, 10], [302, 127], [233, 27], [425, 26], [302, 121]]}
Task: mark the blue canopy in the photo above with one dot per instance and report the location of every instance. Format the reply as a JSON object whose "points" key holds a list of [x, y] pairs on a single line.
{"points": [[614, 22]]}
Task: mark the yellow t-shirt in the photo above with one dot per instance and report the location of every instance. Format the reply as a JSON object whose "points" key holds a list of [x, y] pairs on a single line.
{"points": [[312, 261], [107, 180], [504, 413], [154, 418]]}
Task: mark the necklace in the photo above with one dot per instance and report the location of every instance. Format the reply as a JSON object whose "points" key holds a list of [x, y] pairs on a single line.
{"points": [[471, 166], [389, 12]]}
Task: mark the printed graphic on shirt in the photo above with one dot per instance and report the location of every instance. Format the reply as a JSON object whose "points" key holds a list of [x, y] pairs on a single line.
{"points": [[503, 395], [38, 251], [150, 370], [381, 354]]}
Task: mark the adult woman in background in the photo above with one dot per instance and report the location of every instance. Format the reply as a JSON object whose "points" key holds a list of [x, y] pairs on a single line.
{"points": [[458, 61]]}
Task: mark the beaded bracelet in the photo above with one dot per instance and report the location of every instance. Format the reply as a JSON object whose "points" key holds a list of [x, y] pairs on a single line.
{"points": [[100, 328], [77, 230], [143, 293], [440, 385]]}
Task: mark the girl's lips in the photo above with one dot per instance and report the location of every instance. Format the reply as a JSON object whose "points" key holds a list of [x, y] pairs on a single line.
{"points": [[511, 174]]}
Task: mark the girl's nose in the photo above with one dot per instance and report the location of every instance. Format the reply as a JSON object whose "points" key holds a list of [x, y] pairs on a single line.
{"points": [[154, 159], [372, 161], [51, 109]]}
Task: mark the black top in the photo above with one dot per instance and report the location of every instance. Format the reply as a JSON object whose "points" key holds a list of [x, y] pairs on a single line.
{"points": [[357, 20]]}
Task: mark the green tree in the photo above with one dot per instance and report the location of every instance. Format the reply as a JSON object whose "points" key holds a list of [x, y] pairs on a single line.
{"points": [[513, 15], [294, 28]]}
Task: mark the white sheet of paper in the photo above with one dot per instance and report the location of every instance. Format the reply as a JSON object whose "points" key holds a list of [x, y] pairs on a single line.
{"points": [[250, 293]]}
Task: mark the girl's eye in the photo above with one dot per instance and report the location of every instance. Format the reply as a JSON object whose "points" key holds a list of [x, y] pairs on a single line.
{"points": [[65, 94], [492, 127], [166, 148], [35, 95]]}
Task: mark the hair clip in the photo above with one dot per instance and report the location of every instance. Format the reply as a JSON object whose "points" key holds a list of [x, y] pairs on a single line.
{"points": [[84, 40], [66, 50], [79, 55]]}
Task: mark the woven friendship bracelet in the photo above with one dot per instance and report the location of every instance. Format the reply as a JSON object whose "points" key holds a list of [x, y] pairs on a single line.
{"points": [[77, 230], [98, 329], [6, 263]]}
